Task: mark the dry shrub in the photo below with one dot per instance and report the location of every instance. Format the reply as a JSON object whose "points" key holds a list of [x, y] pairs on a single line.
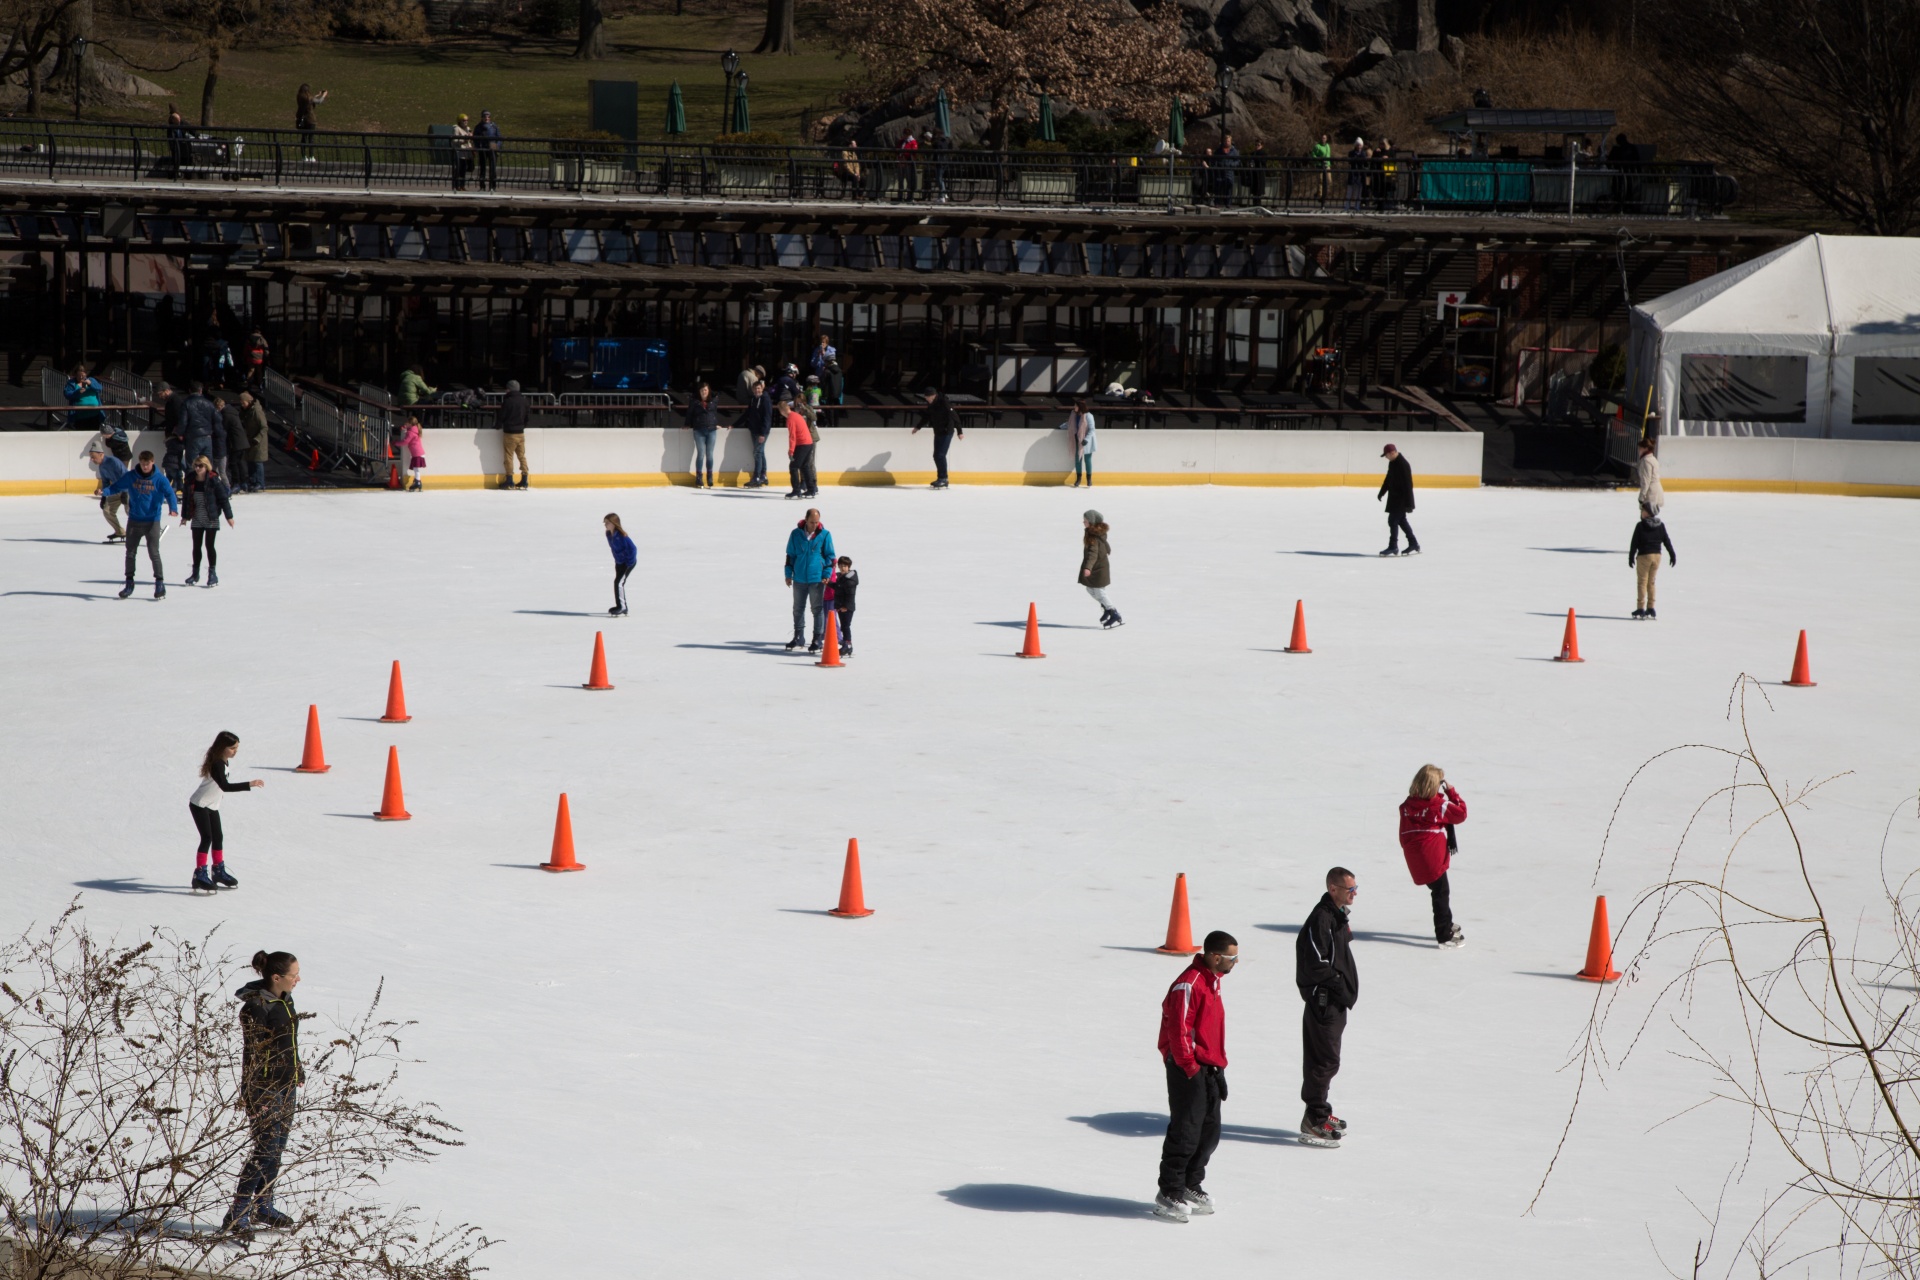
{"points": [[380, 20]]}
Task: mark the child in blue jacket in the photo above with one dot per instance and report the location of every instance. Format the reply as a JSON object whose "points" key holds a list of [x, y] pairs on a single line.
{"points": [[625, 556]]}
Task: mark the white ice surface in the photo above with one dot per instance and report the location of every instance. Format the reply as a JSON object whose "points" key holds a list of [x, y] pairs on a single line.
{"points": [[672, 1064]]}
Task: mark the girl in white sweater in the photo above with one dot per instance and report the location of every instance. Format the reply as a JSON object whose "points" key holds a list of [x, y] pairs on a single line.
{"points": [[205, 808]]}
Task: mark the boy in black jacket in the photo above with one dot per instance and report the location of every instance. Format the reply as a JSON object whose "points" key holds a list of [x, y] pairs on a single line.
{"points": [[845, 583], [1329, 982], [1648, 537]]}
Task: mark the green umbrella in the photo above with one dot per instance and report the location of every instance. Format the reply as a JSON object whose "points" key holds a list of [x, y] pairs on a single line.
{"points": [[676, 111], [1046, 119], [741, 122], [942, 116], [1176, 126]]}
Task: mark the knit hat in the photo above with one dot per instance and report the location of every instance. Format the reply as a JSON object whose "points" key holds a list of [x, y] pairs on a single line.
{"points": [[1093, 517]]}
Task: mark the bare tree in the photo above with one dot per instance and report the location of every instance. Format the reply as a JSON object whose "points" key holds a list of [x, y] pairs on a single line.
{"points": [[217, 26], [1812, 98], [121, 1133], [35, 30], [1826, 1058], [1097, 53], [593, 36]]}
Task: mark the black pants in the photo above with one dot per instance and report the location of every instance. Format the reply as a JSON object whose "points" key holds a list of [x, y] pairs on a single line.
{"points": [[1320, 1059], [489, 170], [620, 572], [846, 627], [212, 839], [149, 530], [941, 440], [1193, 1127], [806, 482], [205, 537], [270, 1117], [1442, 908], [1396, 521]]}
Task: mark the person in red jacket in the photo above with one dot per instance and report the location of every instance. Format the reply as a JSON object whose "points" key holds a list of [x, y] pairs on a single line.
{"points": [[1193, 1045], [1427, 817]]}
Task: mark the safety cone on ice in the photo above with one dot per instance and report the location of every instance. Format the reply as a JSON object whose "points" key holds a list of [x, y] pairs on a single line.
{"points": [[313, 759], [597, 673], [1802, 677], [1179, 928], [1599, 947], [393, 802], [393, 475], [562, 857], [853, 898], [1298, 644], [396, 698], [830, 654], [1570, 642], [1031, 649]]}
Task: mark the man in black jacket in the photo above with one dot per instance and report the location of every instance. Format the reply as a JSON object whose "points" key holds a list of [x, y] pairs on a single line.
{"points": [[1397, 489], [511, 420], [1330, 984], [946, 424]]}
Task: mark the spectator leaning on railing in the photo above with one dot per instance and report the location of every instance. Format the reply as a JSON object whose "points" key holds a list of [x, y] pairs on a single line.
{"points": [[511, 420], [83, 393]]}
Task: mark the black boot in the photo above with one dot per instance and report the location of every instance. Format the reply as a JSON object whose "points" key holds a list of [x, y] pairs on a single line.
{"points": [[223, 878]]}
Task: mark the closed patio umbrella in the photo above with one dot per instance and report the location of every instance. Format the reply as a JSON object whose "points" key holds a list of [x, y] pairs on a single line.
{"points": [[676, 112], [1176, 126], [1046, 119], [942, 114], [742, 123]]}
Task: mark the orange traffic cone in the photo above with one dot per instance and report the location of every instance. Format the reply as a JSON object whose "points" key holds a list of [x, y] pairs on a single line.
{"points": [[1599, 947], [1802, 677], [562, 859], [853, 899], [396, 698], [393, 475], [830, 657], [393, 804], [313, 759], [1179, 929], [597, 674], [1031, 649], [1299, 642], [1570, 642]]}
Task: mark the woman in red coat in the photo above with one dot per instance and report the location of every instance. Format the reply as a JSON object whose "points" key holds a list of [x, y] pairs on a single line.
{"points": [[1430, 809]]}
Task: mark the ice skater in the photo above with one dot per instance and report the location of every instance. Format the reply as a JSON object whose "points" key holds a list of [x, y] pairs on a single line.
{"points": [[810, 561], [145, 488], [1646, 474], [625, 556], [270, 1077], [1643, 556], [1324, 971], [205, 808], [1193, 1046], [846, 584], [1397, 489], [1096, 571], [108, 469], [202, 502], [1427, 818], [801, 443], [703, 419], [415, 449], [1079, 426], [945, 424]]}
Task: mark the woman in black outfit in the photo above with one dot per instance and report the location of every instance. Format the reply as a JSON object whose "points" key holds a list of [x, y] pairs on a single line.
{"points": [[269, 1076], [204, 498], [205, 808]]}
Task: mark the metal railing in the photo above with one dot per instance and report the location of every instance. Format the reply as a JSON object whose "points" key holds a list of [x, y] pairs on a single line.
{"points": [[329, 436], [402, 162]]}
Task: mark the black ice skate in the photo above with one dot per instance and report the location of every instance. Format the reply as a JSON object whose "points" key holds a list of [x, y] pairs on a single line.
{"points": [[223, 878], [202, 882]]}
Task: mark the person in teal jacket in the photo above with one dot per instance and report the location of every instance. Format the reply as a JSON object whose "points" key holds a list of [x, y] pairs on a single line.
{"points": [[810, 562], [146, 487]]}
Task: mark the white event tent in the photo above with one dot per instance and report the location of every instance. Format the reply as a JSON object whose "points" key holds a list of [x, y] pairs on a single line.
{"points": [[1820, 338]]}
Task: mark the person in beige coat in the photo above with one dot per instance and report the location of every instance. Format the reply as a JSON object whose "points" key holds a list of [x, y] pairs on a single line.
{"points": [[1646, 472], [1096, 570]]}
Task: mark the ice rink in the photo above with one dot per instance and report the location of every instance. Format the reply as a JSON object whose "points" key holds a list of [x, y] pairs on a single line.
{"points": [[675, 1064]]}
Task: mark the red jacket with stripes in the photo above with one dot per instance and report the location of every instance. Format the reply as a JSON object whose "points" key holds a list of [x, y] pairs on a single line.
{"points": [[1193, 1022], [1423, 833]]}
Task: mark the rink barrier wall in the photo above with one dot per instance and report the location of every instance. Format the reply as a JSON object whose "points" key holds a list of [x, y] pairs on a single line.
{"points": [[1775, 464], [564, 457]]}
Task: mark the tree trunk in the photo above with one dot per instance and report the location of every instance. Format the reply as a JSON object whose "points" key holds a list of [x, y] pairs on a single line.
{"points": [[779, 36], [33, 82], [212, 81], [593, 39]]}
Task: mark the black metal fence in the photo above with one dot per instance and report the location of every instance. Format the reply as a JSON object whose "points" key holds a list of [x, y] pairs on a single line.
{"points": [[440, 162]]}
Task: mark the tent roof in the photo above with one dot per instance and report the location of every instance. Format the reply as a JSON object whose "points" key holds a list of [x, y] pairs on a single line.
{"points": [[1848, 294]]}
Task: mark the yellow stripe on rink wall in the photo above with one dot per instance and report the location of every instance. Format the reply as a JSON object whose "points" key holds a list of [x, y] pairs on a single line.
{"points": [[920, 479]]}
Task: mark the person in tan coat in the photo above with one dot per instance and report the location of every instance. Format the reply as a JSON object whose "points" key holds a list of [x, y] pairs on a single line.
{"points": [[1096, 572]]}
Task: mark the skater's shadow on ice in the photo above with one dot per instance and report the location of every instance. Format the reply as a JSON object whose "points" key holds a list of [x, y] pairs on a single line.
{"points": [[71, 542], [1148, 1124], [1579, 551], [1584, 617], [1014, 1197], [742, 646], [1366, 935], [127, 884], [1049, 626], [563, 613], [69, 595], [1338, 555]]}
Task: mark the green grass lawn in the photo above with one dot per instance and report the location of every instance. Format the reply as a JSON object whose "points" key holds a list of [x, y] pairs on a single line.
{"points": [[532, 87]]}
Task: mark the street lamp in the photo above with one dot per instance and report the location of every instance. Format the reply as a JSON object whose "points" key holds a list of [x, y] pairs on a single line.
{"points": [[729, 63], [79, 52], [1223, 82]]}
